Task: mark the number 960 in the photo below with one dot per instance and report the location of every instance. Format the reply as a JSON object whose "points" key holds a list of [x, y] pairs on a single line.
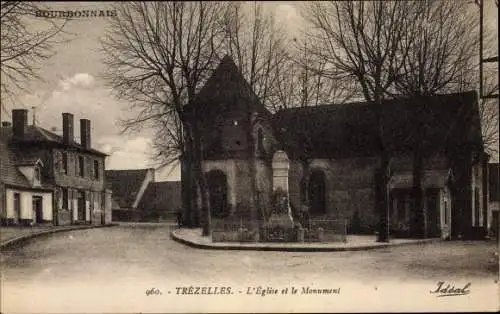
{"points": [[153, 291]]}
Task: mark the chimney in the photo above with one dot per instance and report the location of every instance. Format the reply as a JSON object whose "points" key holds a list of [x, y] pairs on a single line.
{"points": [[19, 122], [85, 133], [68, 128]]}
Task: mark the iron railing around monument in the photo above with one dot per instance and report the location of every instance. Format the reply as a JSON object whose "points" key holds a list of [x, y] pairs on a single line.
{"points": [[235, 230], [325, 230], [240, 229]]}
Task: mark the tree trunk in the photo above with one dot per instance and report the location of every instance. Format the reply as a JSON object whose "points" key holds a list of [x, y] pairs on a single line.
{"points": [[187, 186], [306, 172], [186, 191], [201, 181], [382, 182], [382, 178]]}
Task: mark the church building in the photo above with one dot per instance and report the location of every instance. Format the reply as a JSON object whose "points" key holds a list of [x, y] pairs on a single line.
{"points": [[333, 154]]}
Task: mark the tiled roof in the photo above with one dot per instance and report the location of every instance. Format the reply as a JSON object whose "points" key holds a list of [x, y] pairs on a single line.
{"points": [[226, 86], [349, 130], [125, 185], [28, 161], [161, 196], [10, 158], [37, 134]]}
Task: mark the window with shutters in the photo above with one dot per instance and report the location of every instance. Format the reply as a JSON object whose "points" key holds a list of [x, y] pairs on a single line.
{"points": [[70, 199], [57, 161], [91, 200], [96, 169], [38, 175], [65, 162], [98, 200], [65, 198], [81, 166]]}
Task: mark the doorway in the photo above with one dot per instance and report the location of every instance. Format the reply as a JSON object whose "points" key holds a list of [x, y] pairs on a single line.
{"points": [[37, 203], [80, 196]]}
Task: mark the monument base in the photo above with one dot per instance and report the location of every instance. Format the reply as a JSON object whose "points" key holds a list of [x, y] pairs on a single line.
{"points": [[279, 228]]}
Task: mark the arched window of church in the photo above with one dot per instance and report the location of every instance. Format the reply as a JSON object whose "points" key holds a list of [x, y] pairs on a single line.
{"points": [[260, 140]]}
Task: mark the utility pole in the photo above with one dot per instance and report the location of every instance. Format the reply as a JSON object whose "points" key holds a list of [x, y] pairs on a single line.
{"points": [[483, 60]]}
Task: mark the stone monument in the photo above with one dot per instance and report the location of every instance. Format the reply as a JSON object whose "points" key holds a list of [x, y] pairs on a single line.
{"points": [[280, 226]]}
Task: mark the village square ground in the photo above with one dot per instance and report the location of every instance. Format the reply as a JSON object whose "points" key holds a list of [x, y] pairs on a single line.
{"points": [[97, 266]]}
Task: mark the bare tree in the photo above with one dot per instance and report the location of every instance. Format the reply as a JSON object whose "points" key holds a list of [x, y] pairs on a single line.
{"points": [[443, 58], [24, 46], [369, 42], [157, 57], [257, 45], [445, 45]]}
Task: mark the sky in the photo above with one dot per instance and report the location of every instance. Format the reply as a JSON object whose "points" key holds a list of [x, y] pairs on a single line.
{"points": [[71, 83]]}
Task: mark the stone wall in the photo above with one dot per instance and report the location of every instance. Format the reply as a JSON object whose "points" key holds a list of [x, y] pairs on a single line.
{"points": [[72, 178], [349, 187], [239, 181], [350, 183], [264, 181], [71, 182], [64, 218]]}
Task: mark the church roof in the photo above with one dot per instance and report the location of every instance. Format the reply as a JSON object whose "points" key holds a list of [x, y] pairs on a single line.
{"points": [[224, 90], [350, 130]]}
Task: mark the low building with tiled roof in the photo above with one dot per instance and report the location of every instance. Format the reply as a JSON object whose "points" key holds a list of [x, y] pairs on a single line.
{"points": [[47, 178], [161, 201], [128, 187]]}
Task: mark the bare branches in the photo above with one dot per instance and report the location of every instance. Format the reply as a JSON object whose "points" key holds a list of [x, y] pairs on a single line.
{"points": [[446, 45], [157, 56], [27, 41], [363, 40], [258, 46]]}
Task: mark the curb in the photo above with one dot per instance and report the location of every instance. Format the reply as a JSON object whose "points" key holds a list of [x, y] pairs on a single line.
{"points": [[179, 239], [18, 240]]}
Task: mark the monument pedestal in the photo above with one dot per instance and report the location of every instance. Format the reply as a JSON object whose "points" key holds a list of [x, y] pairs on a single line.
{"points": [[280, 226]]}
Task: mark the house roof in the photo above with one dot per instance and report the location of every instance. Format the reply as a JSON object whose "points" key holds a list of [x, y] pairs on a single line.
{"points": [[350, 130], [125, 185], [494, 178], [161, 196], [10, 158], [36, 134], [29, 161]]}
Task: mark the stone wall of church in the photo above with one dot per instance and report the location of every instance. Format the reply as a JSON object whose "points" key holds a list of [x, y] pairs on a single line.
{"points": [[239, 181], [350, 183], [264, 183], [349, 187]]}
